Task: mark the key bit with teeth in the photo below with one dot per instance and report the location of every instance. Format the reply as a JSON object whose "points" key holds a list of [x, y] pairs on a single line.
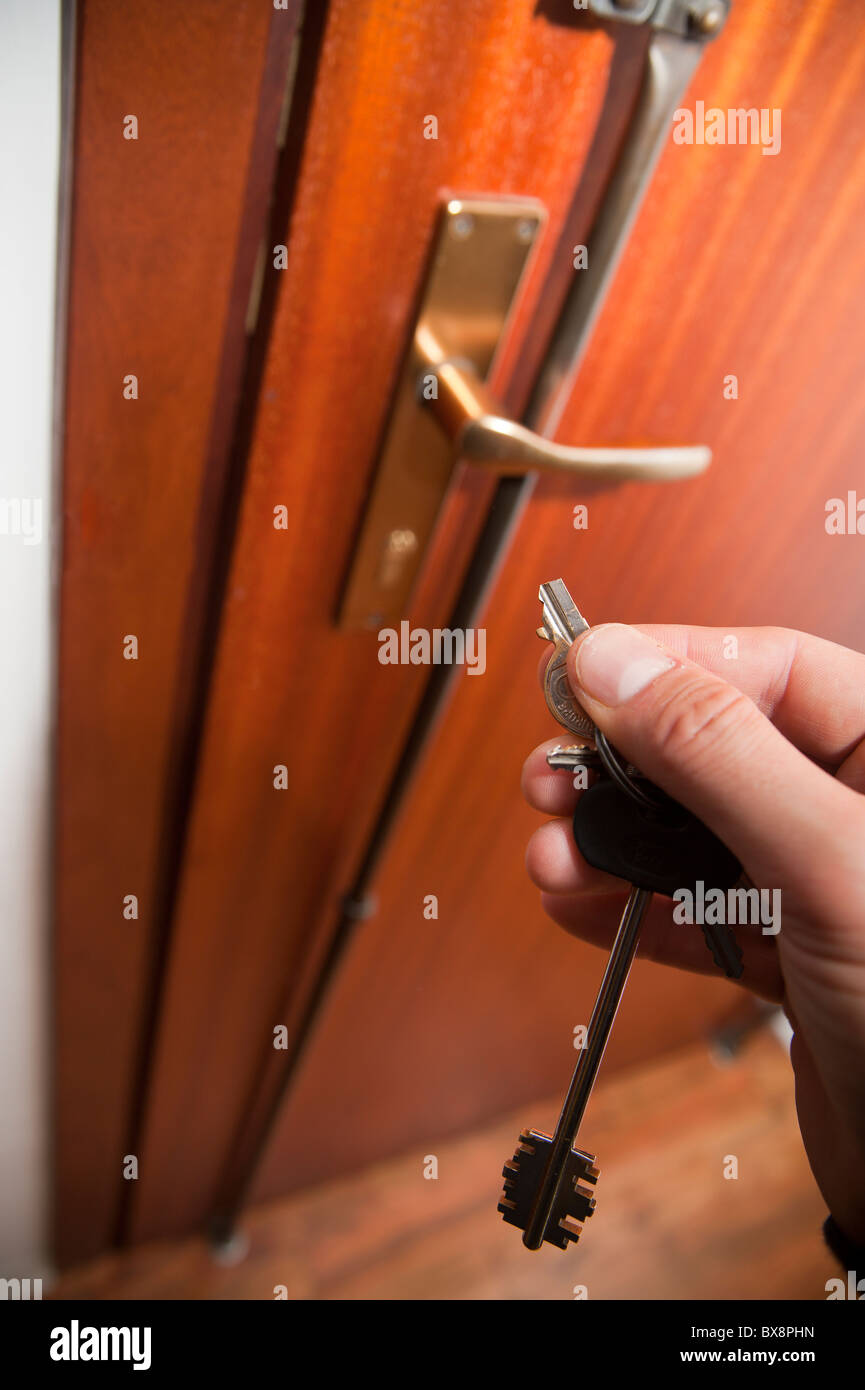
{"points": [[523, 1174], [569, 757]]}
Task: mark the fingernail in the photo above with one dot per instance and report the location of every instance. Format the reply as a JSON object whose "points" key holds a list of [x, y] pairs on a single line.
{"points": [[614, 663]]}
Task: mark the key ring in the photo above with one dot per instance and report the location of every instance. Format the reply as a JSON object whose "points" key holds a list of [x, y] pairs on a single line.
{"points": [[617, 769]]}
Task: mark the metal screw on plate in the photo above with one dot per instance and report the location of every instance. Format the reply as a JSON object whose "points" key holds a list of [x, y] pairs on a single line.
{"points": [[526, 230], [708, 19], [463, 225]]}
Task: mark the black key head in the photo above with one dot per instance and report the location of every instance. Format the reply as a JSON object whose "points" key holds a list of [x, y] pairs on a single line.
{"points": [[661, 850]]}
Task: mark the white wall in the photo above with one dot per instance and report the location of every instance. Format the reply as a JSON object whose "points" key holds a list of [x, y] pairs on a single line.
{"points": [[29, 161]]}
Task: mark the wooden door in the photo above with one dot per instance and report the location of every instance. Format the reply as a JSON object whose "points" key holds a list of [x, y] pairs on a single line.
{"points": [[173, 145], [739, 264], [401, 1029]]}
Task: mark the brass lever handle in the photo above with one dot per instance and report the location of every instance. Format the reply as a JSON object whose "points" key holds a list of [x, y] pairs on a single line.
{"points": [[442, 411], [480, 433]]}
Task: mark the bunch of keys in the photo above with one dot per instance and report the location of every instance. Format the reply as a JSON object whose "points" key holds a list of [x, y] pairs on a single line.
{"points": [[626, 826]]}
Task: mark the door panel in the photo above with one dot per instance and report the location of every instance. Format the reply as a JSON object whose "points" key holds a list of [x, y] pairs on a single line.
{"points": [[266, 869], [739, 264], [164, 237]]}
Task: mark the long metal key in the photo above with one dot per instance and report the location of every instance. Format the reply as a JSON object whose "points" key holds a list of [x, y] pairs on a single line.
{"points": [[549, 1202], [544, 1193]]}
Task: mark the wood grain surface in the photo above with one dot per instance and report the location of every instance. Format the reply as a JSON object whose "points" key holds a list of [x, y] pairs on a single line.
{"points": [[740, 263], [517, 100], [668, 1224], [164, 237]]}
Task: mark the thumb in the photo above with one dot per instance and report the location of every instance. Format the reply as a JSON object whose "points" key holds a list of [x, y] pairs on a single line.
{"points": [[709, 746]]}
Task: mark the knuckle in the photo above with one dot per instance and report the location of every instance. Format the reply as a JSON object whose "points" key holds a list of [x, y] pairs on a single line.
{"points": [[697, 721]]}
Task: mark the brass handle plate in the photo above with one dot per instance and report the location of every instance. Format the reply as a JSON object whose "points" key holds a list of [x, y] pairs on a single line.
{"points": [[480, 253], [443, 411]]}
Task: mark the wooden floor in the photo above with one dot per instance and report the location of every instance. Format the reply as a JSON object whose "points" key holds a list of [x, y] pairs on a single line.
{"points": [[668, 1224]]}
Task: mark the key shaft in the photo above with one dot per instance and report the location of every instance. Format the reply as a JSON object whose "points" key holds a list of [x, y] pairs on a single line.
{"points": [[578, 755], [601, 1022], [563, 621]]}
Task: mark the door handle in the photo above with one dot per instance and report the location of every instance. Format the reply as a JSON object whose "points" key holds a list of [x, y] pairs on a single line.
{"points": [[480, 433], [442, 410]]}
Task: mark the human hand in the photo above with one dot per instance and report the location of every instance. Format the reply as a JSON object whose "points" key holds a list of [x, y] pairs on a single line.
{"points": [[768, 749]]}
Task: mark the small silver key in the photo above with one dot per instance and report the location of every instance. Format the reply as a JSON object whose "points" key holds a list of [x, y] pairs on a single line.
{"points": [[562, 624], [574, 756]]}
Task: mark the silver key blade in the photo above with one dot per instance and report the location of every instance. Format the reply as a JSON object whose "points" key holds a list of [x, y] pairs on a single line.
{"points": [[600, 1024], [563, 621], [576, 756]]}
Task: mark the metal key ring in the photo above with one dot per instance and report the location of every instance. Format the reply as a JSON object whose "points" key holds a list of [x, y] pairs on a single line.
{"points": [[617, 770]]}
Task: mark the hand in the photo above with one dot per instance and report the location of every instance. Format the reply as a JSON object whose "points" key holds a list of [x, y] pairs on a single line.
{"points": [[768, 749]]}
